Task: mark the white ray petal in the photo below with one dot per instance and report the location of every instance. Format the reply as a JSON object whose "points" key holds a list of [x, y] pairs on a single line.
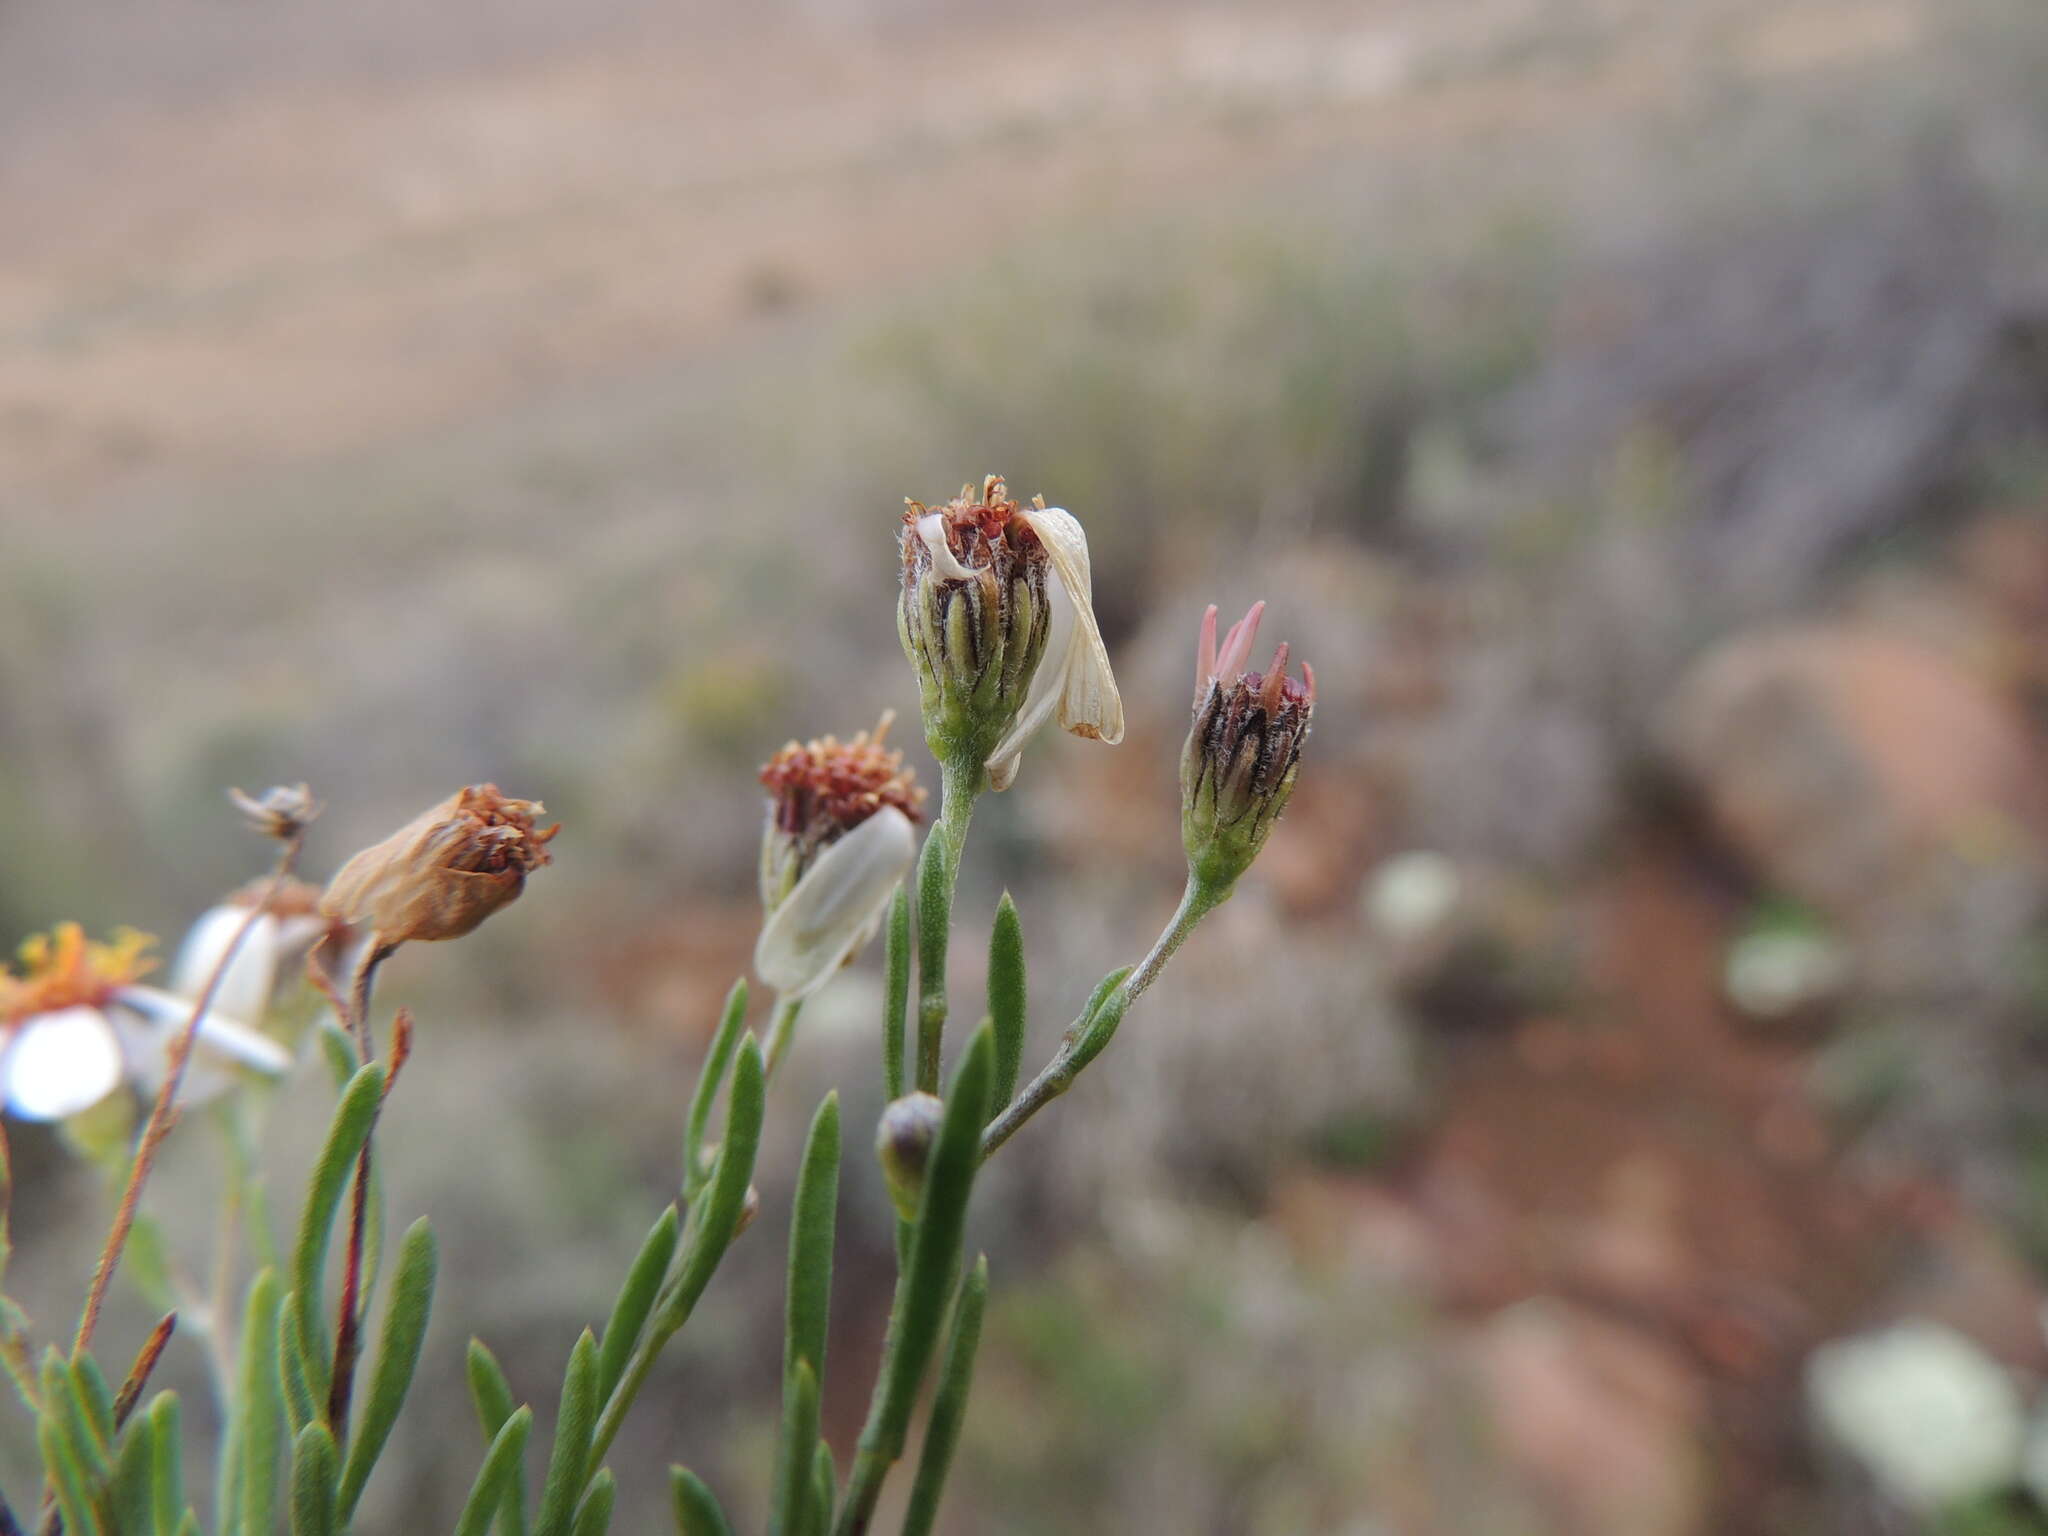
{"points": [[244, 991], [1042, 695], [56, 1064], [932, 529], [149, 1020], [1089, 702], [837, 905]]}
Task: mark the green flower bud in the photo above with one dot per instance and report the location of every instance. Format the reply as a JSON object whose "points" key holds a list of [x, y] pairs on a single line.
{"points": [[903, 1145]]}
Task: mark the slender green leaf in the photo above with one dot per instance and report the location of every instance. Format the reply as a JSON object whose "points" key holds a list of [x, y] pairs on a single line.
{"points": [[710, 1078], [949, 1406], [594, 1518], [398, 1353], [189, 1526], [1006, 1000], [314, 1511], [492, 1394], [64, 1408], [70, 1482], [895, 993], [259, 1408], [636, 1300], [134, 1469], [696, 1507], [727, 1196], [809, 1299], [1105, 1013], [90, 1383], [168, 1478], [927, 1282], [353, 1117], [934, 933], [568, 1468], [794, 1452], [340, 1051], [498, 1481], [300, 1408], [824, 1488]]}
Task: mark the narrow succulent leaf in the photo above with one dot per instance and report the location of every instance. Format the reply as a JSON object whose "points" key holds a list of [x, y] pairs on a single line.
{"points": [[167, 1479], [498, 1480], [69, 1481], [65, 1411], [949, 1406], [710, 1078], [398, 1354], [340, 1052], [134, 1468], [815, 1212], [488, 1389], [895, 993], [568, 1468], [259, 1421], [927, 1280], [353, 1117], [189, 1526], [146, 1262], [934, 933], [300, 1407], [90, 1383], [696, 1507], [795, 1451], [636, 1299], [1006, 1000], [594, 1517], [1105, 1013], [314, 1501], [727, 1196], [824, 1488]]}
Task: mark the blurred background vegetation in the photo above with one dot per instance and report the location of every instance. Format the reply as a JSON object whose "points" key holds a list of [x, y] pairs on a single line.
{"points": [[1637, 413]]}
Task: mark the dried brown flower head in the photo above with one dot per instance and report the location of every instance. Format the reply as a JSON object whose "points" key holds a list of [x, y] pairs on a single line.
{"points": [[820, 790], [445, 871]]}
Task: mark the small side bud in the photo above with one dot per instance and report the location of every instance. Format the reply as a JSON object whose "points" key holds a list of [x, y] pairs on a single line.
{"points": [[903, 1145], [1238, 767], [750, 1207], [444, 872], [281, 811]]}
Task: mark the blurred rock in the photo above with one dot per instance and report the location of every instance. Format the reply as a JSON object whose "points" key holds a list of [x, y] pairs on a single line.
{"points": [[1785, 976], [1465, 945], [1603, 1420], [1843, 763]]}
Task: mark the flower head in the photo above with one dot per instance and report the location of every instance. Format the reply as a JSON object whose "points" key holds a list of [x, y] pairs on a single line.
{"points": [[998, 620], [836, 844], [75, 1020], [1238, 767], [445, 871]]}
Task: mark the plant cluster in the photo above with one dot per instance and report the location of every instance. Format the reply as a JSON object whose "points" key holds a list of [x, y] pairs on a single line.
{"points": [[996, 618]]}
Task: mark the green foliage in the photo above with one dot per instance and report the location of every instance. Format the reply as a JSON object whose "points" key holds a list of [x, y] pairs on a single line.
{"points": [[949, 1407], [696, 1508], [636, 1299], [353, 1118], [314, 1501], [1006, 998], [709, 1079], [895, 993], [498, 1484], [568, 1466], [935, 872], [259, 1407], [405, 1329]]}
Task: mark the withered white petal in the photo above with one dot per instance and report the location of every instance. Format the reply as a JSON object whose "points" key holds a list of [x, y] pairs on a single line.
{"points": [[1042, 697], [1074, 678], [244, 991], [59, 1063], [836, 906], [932, 529], [149, 1020]]}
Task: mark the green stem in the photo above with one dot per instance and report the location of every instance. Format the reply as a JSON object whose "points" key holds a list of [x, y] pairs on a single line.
{"points": [[960, 782], [781, 1030], [1081, 1044]]}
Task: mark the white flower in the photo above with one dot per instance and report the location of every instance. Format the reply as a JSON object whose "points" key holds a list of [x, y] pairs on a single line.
{"points": [[836, 905], [1933, 1417], [1074, 681], [75, 1023]]}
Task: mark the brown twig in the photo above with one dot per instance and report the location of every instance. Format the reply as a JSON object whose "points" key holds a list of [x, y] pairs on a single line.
{"points": [[348, 1320], [145, 1362], [162, 1114]]}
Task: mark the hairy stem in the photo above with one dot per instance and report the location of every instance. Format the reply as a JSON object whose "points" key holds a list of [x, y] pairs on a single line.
{"points": [[1081, 1044], [781, 1030], [348, 1320]]}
